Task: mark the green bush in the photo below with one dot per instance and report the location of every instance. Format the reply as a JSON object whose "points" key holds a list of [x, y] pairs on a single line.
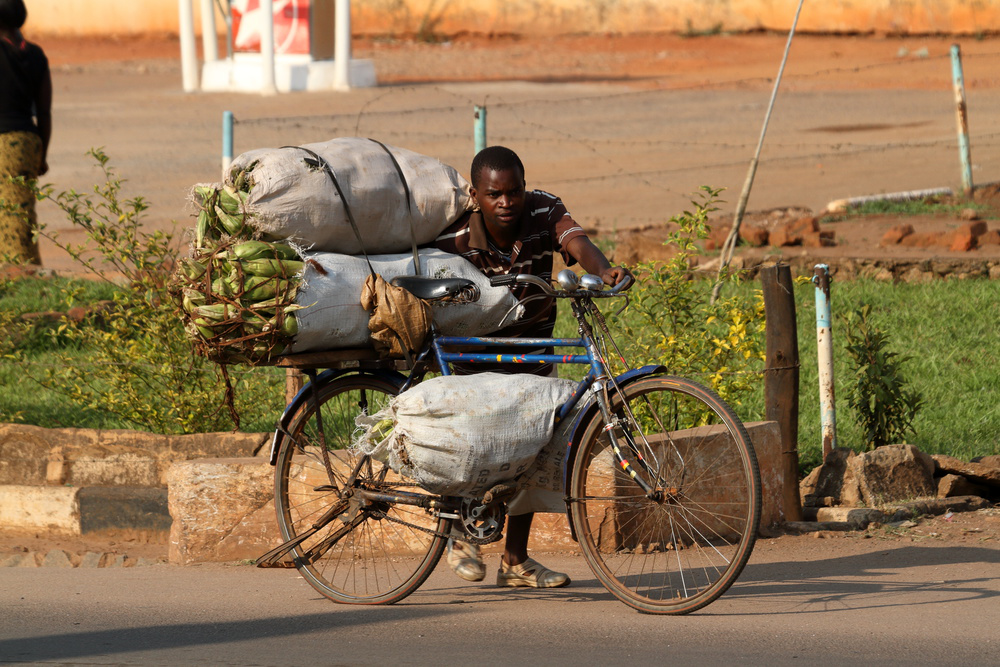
{"points": [[883, 405], [671, 319], [138, 365]]}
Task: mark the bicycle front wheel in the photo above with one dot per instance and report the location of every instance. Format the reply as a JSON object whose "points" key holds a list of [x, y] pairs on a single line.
{"points": [[375, 553], [680, 545]]}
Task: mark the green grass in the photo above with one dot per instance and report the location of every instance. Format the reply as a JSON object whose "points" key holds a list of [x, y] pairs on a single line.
{"points": [[947, 328], [910, 207], [26, 396]]}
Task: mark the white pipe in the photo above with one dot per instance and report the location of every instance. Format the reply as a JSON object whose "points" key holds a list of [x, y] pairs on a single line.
{"points": [[189, 55], [840, 205], [342, 45], [209, 39], [267, 86], [824, 354]]}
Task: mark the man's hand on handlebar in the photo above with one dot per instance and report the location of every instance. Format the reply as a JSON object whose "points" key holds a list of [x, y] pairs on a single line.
{"points": [[614, 275]]}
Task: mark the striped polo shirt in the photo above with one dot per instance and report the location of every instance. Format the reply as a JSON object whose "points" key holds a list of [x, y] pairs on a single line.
{"points": [[546, 229]]}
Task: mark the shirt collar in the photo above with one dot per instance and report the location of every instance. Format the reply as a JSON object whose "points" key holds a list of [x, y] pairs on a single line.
{"points": [[478, 238]]}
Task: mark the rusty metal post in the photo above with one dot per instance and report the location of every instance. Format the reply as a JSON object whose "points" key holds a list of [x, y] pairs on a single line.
{"points": [[294, 382], [824, 352], [962, 115], [781, 377]]}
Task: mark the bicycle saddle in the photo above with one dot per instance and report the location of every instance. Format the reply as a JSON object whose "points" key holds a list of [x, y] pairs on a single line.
{"points": [[432, 289]]}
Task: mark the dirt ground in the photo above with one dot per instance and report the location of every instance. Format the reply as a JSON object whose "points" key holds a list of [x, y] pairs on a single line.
{"points": [[747, 62]]}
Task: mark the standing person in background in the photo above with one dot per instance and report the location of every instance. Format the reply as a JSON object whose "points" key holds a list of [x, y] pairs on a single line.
{"points": [[25, 128], [514, 230]]}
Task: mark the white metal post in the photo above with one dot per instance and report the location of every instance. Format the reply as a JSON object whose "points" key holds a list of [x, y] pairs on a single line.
{"points": [[209, 38], [342, 45], [267, 85], [189, 55], [824, 352]]}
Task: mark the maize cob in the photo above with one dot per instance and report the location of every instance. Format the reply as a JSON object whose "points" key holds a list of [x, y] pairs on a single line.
{"points": [[272, 267], [231, 224], [217, 312]]}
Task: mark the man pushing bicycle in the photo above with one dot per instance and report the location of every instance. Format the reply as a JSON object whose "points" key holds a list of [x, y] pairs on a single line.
{"points": [[515, 231]]}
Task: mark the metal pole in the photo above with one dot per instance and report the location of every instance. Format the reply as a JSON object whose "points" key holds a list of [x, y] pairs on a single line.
{"points": [[961, 113], [189, 54], [480, 128], [824, 352], [227, 142], [267, 86], [209, 38], [342, 45]]}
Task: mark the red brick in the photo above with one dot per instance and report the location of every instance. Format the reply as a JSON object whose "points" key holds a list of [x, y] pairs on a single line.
{"points": [[753, 235], [962, 240], [896, 234], [991, 237]]}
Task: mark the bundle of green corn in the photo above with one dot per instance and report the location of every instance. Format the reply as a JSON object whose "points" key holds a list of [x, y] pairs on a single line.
{"points": [[222, 211], [238, 298]]}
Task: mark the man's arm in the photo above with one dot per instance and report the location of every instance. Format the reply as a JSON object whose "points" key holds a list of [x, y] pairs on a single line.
{"points": [[593, 260]]}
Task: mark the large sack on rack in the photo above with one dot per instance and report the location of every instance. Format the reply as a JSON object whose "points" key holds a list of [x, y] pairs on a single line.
{"points": [[288, 197], [462, 434], [331, 293]]}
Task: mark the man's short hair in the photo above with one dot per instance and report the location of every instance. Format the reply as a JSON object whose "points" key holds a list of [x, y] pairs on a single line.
{"points": [[13, 14], [495, 158]]}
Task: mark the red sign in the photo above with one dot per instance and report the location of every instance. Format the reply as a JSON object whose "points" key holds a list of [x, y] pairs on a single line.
{"points": [[291, 26]]}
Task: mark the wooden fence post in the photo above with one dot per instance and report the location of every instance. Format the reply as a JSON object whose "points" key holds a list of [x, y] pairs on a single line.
{"points": [[294, 382], [781, 377]]}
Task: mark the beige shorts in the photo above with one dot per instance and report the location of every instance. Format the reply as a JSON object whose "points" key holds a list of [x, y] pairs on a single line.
{"points": [[530, 500]]}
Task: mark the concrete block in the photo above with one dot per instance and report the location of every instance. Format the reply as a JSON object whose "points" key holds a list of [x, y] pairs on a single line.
{"points": [[133, 508], [54, 509], [222, 510], [32, 455]]}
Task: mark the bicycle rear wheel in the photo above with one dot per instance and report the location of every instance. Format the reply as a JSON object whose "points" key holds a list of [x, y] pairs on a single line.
{"points": [[368, 554], [677, 549]]}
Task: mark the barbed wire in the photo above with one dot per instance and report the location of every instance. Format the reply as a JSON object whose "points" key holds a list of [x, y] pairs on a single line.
{"points": [[534, 124]]}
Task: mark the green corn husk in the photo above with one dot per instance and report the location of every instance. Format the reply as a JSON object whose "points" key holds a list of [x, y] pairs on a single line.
{"points": [[231, 223], [272, 267], [236, 294]]}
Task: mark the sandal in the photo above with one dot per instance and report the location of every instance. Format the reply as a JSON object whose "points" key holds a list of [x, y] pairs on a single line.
{"points": [[530, 573], [466, 560]]}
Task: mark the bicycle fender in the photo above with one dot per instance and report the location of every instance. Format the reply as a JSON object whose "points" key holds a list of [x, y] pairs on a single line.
{"points": [[583, 419], [305, 394]]}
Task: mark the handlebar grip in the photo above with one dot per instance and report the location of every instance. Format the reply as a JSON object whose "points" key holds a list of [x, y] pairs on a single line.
{"points": [[624, 284], [506, 279]]}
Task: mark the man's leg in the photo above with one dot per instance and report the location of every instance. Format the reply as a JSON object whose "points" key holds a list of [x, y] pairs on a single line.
{"points": [[516, 569], [516, 547]]}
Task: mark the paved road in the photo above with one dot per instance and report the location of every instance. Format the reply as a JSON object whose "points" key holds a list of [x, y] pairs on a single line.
{"points": [[800, 601]]}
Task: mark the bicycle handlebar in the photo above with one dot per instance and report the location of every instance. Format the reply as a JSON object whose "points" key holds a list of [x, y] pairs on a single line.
{"points": [[546, 287]]}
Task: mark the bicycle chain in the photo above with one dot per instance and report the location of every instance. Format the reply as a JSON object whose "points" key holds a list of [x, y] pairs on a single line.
{"points": [[466, 537]]}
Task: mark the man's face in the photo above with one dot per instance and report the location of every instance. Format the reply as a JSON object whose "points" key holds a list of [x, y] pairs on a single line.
{"points": [[500, 196]]}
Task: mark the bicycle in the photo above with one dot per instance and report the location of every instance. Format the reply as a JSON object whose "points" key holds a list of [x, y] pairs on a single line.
{"points": [[661, 480]]}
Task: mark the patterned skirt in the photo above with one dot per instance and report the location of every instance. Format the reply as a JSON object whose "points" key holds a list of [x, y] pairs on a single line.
{"points": [[20, 155]]}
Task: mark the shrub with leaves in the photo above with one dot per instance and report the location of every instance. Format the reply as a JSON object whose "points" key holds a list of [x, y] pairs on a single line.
{"points": [[671, 320], [140, 367], [883, 405]]}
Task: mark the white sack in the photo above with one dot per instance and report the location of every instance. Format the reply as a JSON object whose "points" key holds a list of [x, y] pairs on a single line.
{"points": [[462, 434], [292, 200], [546, 472], [331, 290]]}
